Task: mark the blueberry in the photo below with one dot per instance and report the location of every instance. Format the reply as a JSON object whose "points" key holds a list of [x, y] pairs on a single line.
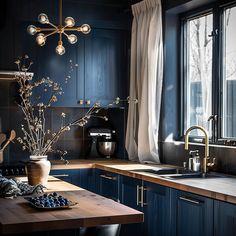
{"points": [[54, 194], [45, 195]]}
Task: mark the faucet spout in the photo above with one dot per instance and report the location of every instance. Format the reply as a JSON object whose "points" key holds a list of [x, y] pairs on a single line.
{"points": [[206, 142]]}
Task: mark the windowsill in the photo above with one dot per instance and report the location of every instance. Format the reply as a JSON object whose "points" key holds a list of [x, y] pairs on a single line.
{"points": [[199, 144]]}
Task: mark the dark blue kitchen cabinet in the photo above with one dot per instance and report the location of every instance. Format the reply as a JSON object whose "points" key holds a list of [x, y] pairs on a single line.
{"points": [[157, 209], [71, 176], [130, 195], [87, 179], [108, 184], [84, 178], [191, 214], [224, 219], [153, 200], [105, 65], [99, 69]]}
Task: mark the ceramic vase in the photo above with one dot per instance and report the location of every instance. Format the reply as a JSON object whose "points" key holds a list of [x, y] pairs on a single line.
{"points": [[37, 170]]}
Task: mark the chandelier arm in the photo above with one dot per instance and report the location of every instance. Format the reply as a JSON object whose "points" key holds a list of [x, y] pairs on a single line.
{"points": [[54, 32], [65, 34], [79, 29], [45, 29], [52, 25]]}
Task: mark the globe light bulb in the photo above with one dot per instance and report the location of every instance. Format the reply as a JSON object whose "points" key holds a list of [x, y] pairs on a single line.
{"points": [[69, 21], [31, 29], [60, 49], [72, 38], [40, 39], [43, 18], [85, 28]]}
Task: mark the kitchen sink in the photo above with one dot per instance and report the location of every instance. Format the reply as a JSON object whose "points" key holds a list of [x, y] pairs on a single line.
{"points": [[177, 173], [198, 175], [165, 171]]}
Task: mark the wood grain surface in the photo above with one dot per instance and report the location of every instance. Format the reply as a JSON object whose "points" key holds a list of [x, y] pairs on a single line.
{"points": [[18, 216], [221, 188]]}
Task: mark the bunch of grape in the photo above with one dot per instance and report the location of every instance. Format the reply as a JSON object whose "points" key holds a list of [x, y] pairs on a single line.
{"points": [[51, 200]]}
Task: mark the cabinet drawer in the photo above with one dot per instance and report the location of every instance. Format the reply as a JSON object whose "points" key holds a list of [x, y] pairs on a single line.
{"points": [[108, 184]]}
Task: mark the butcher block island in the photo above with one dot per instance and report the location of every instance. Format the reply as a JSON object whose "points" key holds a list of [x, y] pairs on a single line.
{"points": [[17, 216]]}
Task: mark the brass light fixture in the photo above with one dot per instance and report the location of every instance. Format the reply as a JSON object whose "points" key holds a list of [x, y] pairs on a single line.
{"points": [[60, 29]]}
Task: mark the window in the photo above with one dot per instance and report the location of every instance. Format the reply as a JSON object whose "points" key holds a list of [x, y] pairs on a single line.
{"points": [[209, 72], [229, 74], [198, 71]]}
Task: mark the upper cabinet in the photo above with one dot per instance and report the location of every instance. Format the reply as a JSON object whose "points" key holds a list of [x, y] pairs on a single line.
{"points": [[105, 65], [97, 68]]}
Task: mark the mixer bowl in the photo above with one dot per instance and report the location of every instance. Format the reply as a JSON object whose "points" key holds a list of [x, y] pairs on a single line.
{"points": [[106, 148]]}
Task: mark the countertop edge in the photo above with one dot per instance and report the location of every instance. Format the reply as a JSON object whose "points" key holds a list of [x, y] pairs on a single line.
{"points": [[111, 166]]}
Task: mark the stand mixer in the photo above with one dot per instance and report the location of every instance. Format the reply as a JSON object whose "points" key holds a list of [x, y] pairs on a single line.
{"points": [[102, 142]]}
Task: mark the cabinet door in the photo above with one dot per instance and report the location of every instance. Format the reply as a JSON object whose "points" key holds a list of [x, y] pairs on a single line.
{"points": [[84, 178], [105, 65], [87, 179], [130, 196], [224, 219], [192, 214], [156, 210], [109, 185], [70, 176]]}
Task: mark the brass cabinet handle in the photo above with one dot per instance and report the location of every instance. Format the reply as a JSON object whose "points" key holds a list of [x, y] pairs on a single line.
{"points": [[81, 102], [108, 177], [137, 191], [88, 102], [62, 175], [142, 197], [186, 199]]}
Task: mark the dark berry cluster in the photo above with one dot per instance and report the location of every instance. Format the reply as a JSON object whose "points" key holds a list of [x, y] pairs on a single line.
{"points": [[51, 200]]}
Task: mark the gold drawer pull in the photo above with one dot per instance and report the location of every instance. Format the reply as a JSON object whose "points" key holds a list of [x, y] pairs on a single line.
{"points": [[62, 175], [190, 200], [108, 177]]}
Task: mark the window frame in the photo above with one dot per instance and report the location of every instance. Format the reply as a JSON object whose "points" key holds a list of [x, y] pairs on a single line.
{"points": [[217, 9]]}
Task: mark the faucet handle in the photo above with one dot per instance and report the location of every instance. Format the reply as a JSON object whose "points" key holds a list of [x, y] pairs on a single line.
{"points": [[211, 164]]}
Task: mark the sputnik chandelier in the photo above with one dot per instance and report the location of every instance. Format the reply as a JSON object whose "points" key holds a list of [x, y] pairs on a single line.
{"points": [[60, 29]]}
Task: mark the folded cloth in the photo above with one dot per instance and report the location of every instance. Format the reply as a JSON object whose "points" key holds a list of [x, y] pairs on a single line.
{"points": [[10, 188]]}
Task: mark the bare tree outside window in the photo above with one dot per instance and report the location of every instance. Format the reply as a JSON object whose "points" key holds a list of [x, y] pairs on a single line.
{"points": [[229, 74], [198, 97]]}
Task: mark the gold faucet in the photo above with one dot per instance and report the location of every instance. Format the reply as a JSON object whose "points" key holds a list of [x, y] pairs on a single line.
{"points": [[206, 140]]}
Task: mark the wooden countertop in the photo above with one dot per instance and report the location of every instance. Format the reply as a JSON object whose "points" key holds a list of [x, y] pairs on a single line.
{"points": [[220, 188], [18, 216]]}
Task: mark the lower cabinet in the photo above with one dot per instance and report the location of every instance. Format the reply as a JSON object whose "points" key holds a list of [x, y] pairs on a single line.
{"points": [[224, 219], [191, 214], [130, 196], [70, 176], [156, 208], [108, 184], [84, 178], [167, 211], [153, 200]]}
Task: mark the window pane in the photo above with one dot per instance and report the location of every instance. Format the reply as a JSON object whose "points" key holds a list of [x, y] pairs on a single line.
{"points": [[229, 74], [198, 62]]}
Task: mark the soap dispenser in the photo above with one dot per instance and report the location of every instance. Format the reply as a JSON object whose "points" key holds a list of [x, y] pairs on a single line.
{"points": [[194, 160]]}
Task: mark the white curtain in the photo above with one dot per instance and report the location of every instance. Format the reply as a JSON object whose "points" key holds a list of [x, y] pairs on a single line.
{"points": [[146, 78]]}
